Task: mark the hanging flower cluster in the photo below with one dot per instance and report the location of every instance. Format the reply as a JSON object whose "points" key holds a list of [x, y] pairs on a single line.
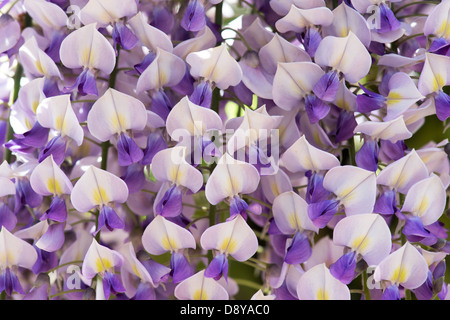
{"points": [[208, 149]]}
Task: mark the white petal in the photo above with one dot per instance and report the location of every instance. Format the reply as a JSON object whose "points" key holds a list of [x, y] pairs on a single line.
{"points": [[199, 287], [229, 178], [97, 187], [48, 179], [57, 113], [233, 237], [290, 212], [115, 112], [367, 234], [162, 235], [318, 284], [15, 251], [354, 187], [216, 65], [87, 48]]}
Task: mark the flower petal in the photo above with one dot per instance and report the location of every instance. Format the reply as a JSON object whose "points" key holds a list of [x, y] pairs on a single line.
{"points": [[162, 235]]}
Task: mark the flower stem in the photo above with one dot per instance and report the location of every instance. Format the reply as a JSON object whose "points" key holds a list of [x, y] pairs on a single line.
{"points": [[14, 96], [366, 288]]}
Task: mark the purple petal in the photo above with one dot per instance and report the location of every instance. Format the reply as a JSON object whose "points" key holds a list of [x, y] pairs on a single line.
{"points": [[393, 151], [321, 212], [243, 93], [111, 284], [388, 21], [155, 143], [10, 283], [36, 137], [344, 268], [56, 147], [414, 227], [186, 86], [391, 293], [425, 291], [7, 218], [181, 269], [217, 267], [45, 261], [346, 123], [123, 36], [156, 270], [145, 291], [148, 59], [202, 95], [367, 155], [386, 203], [128, 151], [316, 109], [194, 18], [273, 228], [439, 46], [85, 84], [369, 101], [442, 102], [171, 203], [315, 192], [25, 195], [238, 206], [163, 19], [134, 177], [311, 41], [327, 86], [439, 270], [161, 104], [57, 210], [110, 218], [55, 43], [51, 88], [300, 249], [37, 293], [53, 239]]}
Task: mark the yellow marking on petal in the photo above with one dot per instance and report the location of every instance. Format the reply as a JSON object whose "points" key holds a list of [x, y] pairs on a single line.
{"points": [[87, 57], [53, 186], [399, 275], [438, 82], [175, 175], [275, 189], [423, 206], [360, 243], [200, 295], [28, 124], [162, 79], [393, 97], [228, 245], [34, 106], [343, 32], [293, 221], [316, 137], [136, 270], [7, 258], [59, 123], [100, 196], [343, 104], [39, 67], [346, 192], [168, 243], [103, 264], [118, 122], [322, 294], [443, 30]]}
